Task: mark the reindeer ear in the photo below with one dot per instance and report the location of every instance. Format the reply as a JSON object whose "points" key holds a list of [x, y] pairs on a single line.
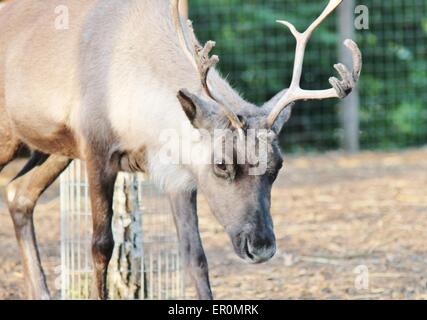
{"points": [[198, 111], [284, 117], [186, 100]]}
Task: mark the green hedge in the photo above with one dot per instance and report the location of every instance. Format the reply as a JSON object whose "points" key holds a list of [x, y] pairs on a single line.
{"points": [[257, 54]]}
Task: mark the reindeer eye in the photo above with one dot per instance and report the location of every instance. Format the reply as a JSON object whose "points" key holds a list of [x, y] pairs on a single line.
{"points": [[221, 166], [255, 165], [223, 171]]}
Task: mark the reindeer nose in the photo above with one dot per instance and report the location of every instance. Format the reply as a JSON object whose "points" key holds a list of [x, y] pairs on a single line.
{"points": [[260, 249]]}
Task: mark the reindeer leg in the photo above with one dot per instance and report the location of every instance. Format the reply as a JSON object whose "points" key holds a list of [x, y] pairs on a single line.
{"points": [[9, 144], [101, 183], [23, 193], [184, 207]]}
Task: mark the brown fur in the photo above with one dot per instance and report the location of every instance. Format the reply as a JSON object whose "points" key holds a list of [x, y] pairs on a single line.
{"points": [[23, 193], [104, 90]]}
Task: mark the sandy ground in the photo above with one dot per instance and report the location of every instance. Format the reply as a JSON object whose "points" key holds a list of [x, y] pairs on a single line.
{"points": [[347, 227]]}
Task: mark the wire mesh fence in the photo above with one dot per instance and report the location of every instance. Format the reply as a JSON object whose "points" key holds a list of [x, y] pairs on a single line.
{"points": [[257, 56], [146, 263]]}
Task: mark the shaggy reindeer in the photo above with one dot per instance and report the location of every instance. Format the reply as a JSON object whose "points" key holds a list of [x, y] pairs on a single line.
{"points": [[105, 89]]}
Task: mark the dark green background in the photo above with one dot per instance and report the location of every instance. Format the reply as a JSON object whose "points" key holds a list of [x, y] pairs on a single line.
{"points": [[257, 54]]}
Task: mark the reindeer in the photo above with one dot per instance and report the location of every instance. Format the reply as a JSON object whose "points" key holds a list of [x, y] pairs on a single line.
{"points": [[104, 89]]}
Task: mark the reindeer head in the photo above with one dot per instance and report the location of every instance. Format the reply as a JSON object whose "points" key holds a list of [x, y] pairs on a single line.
{"points": [[245, 156]]}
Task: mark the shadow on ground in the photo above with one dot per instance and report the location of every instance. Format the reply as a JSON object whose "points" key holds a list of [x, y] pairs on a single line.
{"points": [[336, 217]]}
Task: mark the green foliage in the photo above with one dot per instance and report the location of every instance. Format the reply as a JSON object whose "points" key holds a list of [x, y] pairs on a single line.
{"points": [[393, 95], [257, 55], [408, 119]]}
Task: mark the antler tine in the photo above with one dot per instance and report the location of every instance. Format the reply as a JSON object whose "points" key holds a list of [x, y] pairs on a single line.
{"points": [[203, 60], [200, 59], [357, 58], [204, 64], [340, 88], [181, 37]]}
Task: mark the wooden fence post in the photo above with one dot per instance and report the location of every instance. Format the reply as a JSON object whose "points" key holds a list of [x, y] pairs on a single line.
{"points": [[125, 266], [349, 107]]}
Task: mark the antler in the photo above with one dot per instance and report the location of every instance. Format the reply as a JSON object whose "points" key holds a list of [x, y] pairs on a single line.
{"points": [[199, 57], [203, 61], [340, 88]]}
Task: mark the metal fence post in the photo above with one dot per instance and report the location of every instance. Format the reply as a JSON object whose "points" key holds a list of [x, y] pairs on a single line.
{"points": [[349, 107]]}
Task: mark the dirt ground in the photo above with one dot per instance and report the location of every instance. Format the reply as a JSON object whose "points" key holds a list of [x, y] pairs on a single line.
{"points": [[347, 227]]}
